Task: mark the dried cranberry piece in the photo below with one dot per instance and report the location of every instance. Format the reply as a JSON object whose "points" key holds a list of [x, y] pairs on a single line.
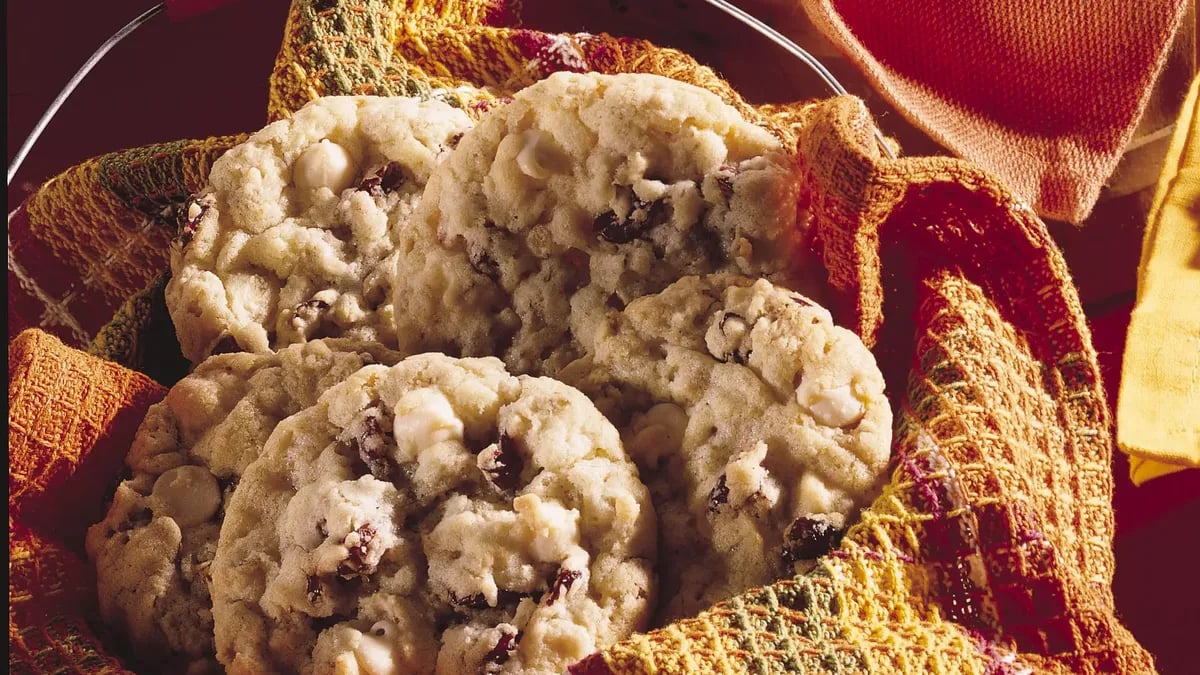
{"points": [[371, 444], [646, 213], [719, 495], [371, 185], [503, 465], [356, 562], [188, 225], [387, 179], [477, 601], [314, 589], [610, 229], [392, 177], [643, 216], [807, 538], [562, 583], [505, 646]]}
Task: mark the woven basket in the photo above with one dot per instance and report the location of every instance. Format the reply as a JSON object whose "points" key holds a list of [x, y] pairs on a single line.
{"points": [[990, 549]]}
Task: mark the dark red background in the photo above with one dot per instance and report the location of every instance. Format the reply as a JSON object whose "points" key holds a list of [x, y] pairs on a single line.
{"points": [[208, 76]]}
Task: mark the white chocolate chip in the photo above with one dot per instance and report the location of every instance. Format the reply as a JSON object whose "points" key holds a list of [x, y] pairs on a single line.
{"points": [[424, 417], [325, 164], [374, 652], [194, 211], [532, 159], [836, 407], [188, 494]]}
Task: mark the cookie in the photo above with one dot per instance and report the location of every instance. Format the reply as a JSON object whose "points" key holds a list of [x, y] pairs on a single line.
{"points": [[598, 187], [760, 426], [293, 237], [153, 549], [441, 516]]}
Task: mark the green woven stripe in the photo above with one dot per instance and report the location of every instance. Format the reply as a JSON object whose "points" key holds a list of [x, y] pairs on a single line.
{"points": [[149, 180], [352, 49], [141, 336], [775, 643]]}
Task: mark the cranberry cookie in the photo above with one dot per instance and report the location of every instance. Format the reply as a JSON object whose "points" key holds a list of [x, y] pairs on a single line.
{"points": [[293, 238], [441, 516], [760, 427], [153, 549], [600, 188]]}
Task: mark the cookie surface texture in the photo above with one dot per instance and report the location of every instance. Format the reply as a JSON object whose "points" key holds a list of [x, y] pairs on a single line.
{"points": [[153, 550], [760, 426], [293, 238], [583, 193], [441, 516]]}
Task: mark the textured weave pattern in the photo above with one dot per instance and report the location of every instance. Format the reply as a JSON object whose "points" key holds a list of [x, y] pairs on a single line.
{"points": [[990, 549], [97, 233], [71, 419], [1012, 85]]}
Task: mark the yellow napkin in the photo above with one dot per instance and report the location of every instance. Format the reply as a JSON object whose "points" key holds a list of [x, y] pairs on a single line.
{"points": [[1158, 412]]}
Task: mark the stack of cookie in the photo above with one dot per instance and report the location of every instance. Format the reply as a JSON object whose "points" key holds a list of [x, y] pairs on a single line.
{"points": [[486, 398]]}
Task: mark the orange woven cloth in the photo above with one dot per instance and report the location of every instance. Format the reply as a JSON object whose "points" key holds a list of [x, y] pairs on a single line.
{"points": [[71, 420], [990, 548], [1043, 94]]}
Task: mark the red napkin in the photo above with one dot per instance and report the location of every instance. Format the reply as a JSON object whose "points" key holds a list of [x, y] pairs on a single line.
{"points": [[1043, 94]]}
